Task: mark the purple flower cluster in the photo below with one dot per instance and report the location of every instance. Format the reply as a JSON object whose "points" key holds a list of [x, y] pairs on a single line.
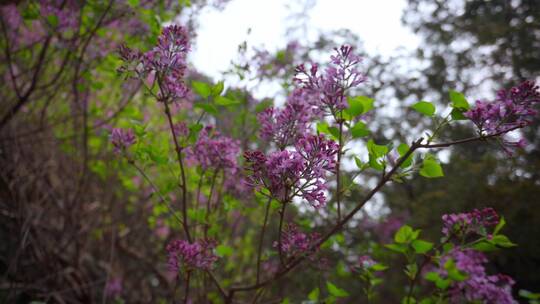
{"points": [[478, 286], [189, 256], [180, 129], [365, 261], [63, 11], [285, 126], [476, 221], [215, 151], [113, 288], [294, 242], [511, 109], [122, 139], [332, 85], [165, 63], [21, 34], [298, 172]]}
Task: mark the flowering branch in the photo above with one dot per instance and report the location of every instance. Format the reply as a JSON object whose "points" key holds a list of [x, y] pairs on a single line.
{"points": [[339, 226]]}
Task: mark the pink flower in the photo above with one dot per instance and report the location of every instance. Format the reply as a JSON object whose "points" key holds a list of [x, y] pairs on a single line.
{"points": [[511, 109], [478, 286], [122, 139], [475, 221], [331, 86], [294, 242], [188, 256], [299, 172]]}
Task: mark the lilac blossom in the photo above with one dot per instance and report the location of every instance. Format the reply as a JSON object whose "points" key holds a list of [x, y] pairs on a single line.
{"points": [[285, 126], [476, 221], [185, 256], [20, 34], [63, 11], [478, 286], [332, 85], [165, 63], [180, 129], [365, 261], [212, 150], [122, 139], [511, 109], [294, 242], [301, 172], [114, 288], [11, 16]]}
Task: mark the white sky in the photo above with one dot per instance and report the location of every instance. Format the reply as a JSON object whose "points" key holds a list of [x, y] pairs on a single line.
{"points": [[376, 22]]}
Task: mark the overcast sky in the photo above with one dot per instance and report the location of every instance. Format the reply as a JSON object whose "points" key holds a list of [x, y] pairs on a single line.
{"points": [[376, 22]]}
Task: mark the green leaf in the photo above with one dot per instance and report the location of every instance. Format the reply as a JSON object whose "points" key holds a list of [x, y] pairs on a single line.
{"points": [[484, 246], [432, 276], [334, 132], [133, 3], [404, 234], [224, 250], [197, 215], [502, 241], [443, 283], [314, 294], [402, 150], [378, 267], [458, 100], [52, 20], [411, 270], [421, 246], [203, 89], [424, 107], [359, 163], [499, 226], [401, 248], [359, 105], [224, 101], [408, 300], [322, 127], [447, 247], [376, 150], [529, 295], [359, 130], [457, 114], [263, 105], [375, 164], [431, 168], [186, 3], [194, 131], [453, 272], [355, 108], [208, 108], [218, 88], [336, 291]]}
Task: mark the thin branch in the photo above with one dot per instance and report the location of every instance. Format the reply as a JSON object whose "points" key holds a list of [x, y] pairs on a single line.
{"points": [[338, 172], [156, 190], [182, 171], [467, 140], [261, 239], [216, 283], [280, 239]]}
